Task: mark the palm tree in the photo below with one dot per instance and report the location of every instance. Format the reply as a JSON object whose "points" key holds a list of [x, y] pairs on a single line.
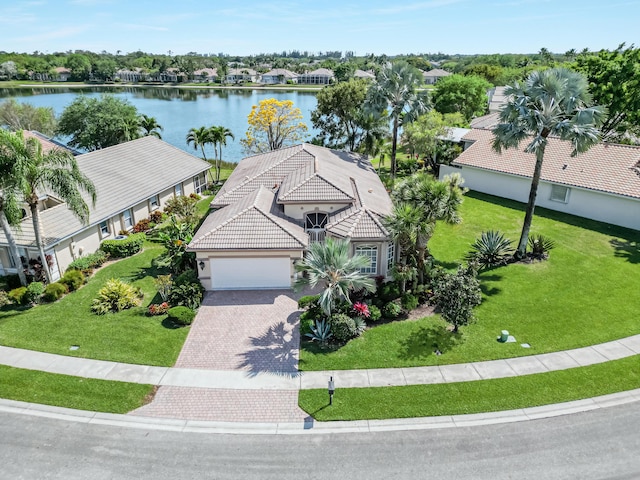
{"points": [[330, 265], [55, 171], [150, 126], [396, 88], [200, 137], [552, 102], [10, 211], [428, 200], [219, 136]]}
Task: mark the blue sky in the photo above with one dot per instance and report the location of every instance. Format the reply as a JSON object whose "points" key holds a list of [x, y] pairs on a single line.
{"points": [[252, 27]]}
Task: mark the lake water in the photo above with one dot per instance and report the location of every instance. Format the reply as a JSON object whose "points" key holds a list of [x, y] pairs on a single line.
{"points": [[179, 109]]}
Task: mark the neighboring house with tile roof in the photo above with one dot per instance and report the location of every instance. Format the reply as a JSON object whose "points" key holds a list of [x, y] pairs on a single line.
{"points": [[279, 76], [241, 75], [275, 204], [432, 76], [320, 76], [363, 75], [205, 75], [602, 184], [132, 180], [497, 99]]}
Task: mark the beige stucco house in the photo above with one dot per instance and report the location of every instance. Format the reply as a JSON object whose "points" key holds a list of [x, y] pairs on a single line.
{"points": [[279, 76], [432, 76], [275, 204], [320, 76], [132, 180], [601, 184]]}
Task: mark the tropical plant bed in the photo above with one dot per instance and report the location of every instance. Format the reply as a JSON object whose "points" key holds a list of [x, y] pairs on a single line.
{"points": [[473, 397], [584, 294], [71, 392], [129, 336]]}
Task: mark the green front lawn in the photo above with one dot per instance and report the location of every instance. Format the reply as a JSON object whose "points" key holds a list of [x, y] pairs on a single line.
{"points": [[71, 392], [129, 336], [586, 293], [473, 397]]}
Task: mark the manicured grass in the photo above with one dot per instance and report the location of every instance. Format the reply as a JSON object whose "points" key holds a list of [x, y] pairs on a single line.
{"points": [[585, 293], [129, 336], [71, 392], [473, 397]]}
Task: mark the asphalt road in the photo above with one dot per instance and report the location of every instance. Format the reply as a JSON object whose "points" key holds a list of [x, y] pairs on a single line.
{"points": [[602, 444]]}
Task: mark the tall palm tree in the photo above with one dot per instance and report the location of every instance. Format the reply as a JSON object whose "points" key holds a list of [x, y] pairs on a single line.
{"points": [[553, 102], [149, 126], [396, 88], [330, 265], [10, 211], [429, 200], [200, 137], [219, 135], [55, 171]]}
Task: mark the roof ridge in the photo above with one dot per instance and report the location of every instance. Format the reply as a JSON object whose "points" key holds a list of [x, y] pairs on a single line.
{"points": [[227, 221], [298, 185], [269, 217]]}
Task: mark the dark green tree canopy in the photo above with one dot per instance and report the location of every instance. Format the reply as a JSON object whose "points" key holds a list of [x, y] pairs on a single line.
{"points": [[339, 114], [96, 123], [614, 82], [464, 94]]}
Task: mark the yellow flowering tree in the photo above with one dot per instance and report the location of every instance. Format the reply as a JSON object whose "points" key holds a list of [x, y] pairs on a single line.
{"points": [[273, 124]]}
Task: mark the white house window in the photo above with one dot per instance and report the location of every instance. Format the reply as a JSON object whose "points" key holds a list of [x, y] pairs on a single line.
{"points": [[560, 193], [199, 184], [127, 219], [104, 229], [391, 256], [154, 203], [179, 190], [315, 224], [372, 254]]}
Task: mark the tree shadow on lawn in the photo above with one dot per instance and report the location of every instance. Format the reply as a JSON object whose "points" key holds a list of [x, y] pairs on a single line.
{"points": [[153, 271], [425, 341], [275, 351], [627, 249], [488, 291]]}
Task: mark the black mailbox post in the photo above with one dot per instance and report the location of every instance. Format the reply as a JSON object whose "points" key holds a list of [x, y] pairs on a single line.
{"points": [[332, 390]]}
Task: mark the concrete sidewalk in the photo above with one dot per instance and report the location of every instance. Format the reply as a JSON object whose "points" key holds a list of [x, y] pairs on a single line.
{"points": [[261, 380]]}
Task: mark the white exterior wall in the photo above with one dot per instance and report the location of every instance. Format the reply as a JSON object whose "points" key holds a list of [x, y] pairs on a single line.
{"points": [[298, 211], [166, 195], [614, 209]]}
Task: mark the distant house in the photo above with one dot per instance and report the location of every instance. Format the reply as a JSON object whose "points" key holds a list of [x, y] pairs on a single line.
{"points": [[205, 75], [132, 180], [321, 76], [432, 76], [130, 76], [497, 98], [602, 184], [364, 75], [279, 76], [62, 74], [241, 75], [275, 204]]}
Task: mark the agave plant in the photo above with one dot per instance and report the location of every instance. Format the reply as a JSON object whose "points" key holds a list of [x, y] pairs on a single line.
{"points": [[540, 246], [361, 325], [492, 249], [320, 332]]}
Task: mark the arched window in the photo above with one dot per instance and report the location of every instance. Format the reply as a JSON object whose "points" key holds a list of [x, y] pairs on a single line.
{"points": [[315, 224], [371, 253]]}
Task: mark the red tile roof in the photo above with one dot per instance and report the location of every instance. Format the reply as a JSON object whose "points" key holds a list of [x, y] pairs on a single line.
{"points": [[605, 167], [47, 145]]}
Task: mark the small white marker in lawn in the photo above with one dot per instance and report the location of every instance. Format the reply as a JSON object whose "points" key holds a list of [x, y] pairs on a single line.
{"points": [[74, 347]]}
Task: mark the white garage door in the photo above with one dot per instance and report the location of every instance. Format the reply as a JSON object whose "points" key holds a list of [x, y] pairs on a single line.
{"points": [[250, 273]]}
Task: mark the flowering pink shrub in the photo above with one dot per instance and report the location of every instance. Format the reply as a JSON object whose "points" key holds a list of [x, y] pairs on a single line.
{"points": [[158, 308], [361, 309]]}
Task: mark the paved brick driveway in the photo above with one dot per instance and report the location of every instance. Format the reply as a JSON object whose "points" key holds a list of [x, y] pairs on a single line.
{"points": [[252, 331]]}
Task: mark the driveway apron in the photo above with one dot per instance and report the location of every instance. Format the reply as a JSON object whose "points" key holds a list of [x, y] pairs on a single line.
{"points": [[254, 333]]}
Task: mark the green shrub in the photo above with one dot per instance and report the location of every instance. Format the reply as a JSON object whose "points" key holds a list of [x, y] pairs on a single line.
{"points": [[343, 327], [307, 320], [73, 279], [87, 263], [374, 313], [188, 276], [540, 246], [116, 296], [409, 301], [125, 247], [307, 301], [34, 292], [54, 291], [181, 315], [188, 295], [492, 249], [4, 298], [389, 291], [392, 310], [17, 295]]}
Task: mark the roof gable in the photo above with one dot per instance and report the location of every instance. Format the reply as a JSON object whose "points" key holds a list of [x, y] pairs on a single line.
{"points": [[358, 223], [305, 185]]}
